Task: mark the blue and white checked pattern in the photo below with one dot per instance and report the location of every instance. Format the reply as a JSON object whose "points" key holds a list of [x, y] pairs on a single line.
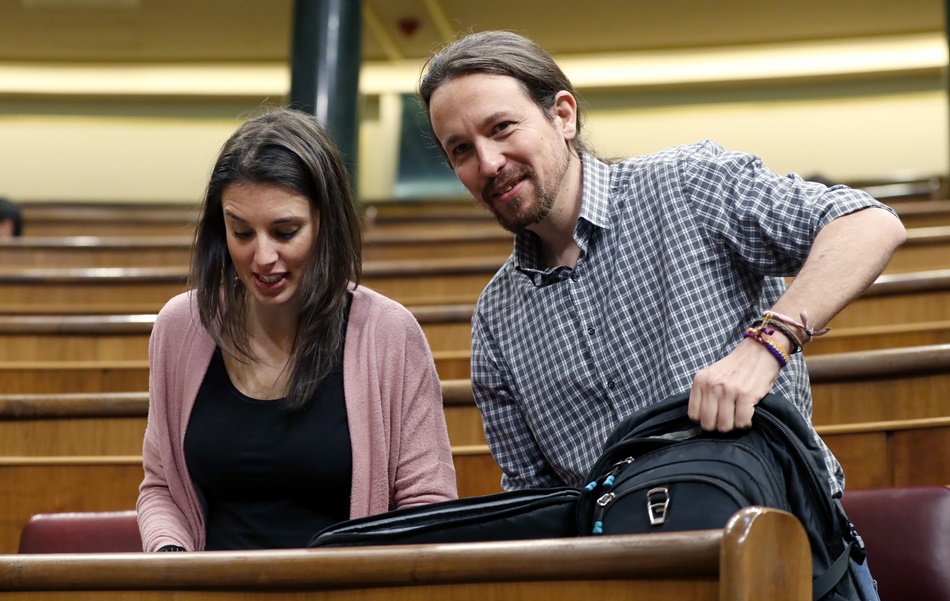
{"points": [[680, 251]]}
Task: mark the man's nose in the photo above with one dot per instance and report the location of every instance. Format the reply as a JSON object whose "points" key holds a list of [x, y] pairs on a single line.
{"points": [[490, 159]]}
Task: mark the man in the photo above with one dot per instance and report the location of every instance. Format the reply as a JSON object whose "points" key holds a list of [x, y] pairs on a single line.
{"points": [[11, 219], [633, 281]]}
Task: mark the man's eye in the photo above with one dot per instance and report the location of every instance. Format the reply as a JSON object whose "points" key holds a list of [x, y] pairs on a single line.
{"points": [[502, 126], [460, 149]]}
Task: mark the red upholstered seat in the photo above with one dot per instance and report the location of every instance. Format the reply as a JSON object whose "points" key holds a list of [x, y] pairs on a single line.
{"points": [[907, 535], [88, 532]]}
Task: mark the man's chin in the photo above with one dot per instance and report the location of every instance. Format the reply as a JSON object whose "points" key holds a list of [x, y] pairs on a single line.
{"points": [[514, 225]]}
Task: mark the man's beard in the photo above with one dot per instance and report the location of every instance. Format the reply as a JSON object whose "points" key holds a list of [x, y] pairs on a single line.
{"points": [[518, 216]]}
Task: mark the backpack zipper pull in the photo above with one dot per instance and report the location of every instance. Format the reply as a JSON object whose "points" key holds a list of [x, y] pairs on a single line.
{"points": [[599, 510], [605, 499]]}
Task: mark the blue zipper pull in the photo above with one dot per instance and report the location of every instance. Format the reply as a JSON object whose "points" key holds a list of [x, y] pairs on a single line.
{"points": [[607, 497]]}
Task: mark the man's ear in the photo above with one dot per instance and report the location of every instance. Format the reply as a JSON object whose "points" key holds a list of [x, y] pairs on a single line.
{"points": [[565, 114], [6, 228]]}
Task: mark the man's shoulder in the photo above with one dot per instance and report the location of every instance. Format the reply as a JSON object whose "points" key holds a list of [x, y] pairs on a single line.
{"points": [[673, 154]]}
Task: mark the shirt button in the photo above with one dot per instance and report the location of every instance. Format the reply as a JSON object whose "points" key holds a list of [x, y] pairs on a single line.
{"points": [[611, 384], [574, 276], [590, 331]]}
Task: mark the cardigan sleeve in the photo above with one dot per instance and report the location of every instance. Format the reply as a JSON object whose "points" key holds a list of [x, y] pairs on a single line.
{"points": [[401, 452], [424, 470], [167, 506]]}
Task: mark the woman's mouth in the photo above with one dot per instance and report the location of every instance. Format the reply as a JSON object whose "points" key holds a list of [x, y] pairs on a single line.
{"points": [[269, 282]]}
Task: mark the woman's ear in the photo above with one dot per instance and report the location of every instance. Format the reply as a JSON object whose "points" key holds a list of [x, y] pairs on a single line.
{"points": [[565, 114]]}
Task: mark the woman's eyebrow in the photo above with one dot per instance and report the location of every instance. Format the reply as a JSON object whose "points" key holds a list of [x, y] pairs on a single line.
{"points": [[228, 213]]}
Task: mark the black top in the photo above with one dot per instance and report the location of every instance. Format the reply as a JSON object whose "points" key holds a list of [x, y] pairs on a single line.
{"points": [[270, 477]]}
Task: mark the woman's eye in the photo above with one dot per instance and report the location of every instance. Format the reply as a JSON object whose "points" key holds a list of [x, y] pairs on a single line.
{"points": [[241, 235], [287, 235]]}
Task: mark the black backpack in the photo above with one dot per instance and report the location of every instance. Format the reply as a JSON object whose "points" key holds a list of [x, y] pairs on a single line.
{"points": [[514, 515], [660, 472]]}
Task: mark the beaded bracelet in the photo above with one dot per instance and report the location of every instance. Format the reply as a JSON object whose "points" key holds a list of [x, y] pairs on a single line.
{"points": [[760, 336]]}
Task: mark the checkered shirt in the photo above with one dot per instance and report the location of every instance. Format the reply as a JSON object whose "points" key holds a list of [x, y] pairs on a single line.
{"points": [[680, 252]]}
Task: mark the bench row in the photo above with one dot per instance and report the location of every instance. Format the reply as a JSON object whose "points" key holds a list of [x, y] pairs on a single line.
{"points": [[874, 455], [137, 219], [760, 554], [897, 310], [926, 248], [891, 299], [872, 386]]}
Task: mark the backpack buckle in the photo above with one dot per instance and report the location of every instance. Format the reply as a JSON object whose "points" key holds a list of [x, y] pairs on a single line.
{"points": [[658, 501]]}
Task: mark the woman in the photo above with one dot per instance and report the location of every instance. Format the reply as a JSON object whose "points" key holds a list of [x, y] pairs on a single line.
{"points": [[284, 397]]}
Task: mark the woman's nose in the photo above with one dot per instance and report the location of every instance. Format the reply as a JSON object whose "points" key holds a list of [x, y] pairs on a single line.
{"points": [[265, 253]]}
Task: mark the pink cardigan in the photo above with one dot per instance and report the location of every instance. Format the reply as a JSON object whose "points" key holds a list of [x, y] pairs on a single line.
{"points": [[401, 453]]}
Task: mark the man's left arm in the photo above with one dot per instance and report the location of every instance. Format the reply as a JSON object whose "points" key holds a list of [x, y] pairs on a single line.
{"points": [[847, 256]]}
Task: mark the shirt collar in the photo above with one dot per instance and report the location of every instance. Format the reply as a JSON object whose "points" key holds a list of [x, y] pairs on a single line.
{"points": [[595, 206], [594, 215]]}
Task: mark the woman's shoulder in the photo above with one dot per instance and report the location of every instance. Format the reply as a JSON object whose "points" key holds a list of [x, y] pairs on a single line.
{"points": [[183, 304], [368, 302], [181, 311], [372, 311]]}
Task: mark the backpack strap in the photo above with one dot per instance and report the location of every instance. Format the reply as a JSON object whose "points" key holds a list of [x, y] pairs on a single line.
{"points": [[827, 581]]}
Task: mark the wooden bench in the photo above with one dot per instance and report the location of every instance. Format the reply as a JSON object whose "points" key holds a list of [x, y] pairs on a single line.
{"points": [[880, 337], [57, 451], [926, 248], [891, 453], [45, 484], [113, 423], [95, 251], [110, 344], [71, 338], [882, 385], [900, 298], [99, 290], [167, 251], [44, 219], [32, 377], [899, 453], [108, 219], [923, 213], [900, 189], [49, 377], [75, 337], [137, 219], [145, 290], [866, 386], [125, 337], [760, 554]]}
